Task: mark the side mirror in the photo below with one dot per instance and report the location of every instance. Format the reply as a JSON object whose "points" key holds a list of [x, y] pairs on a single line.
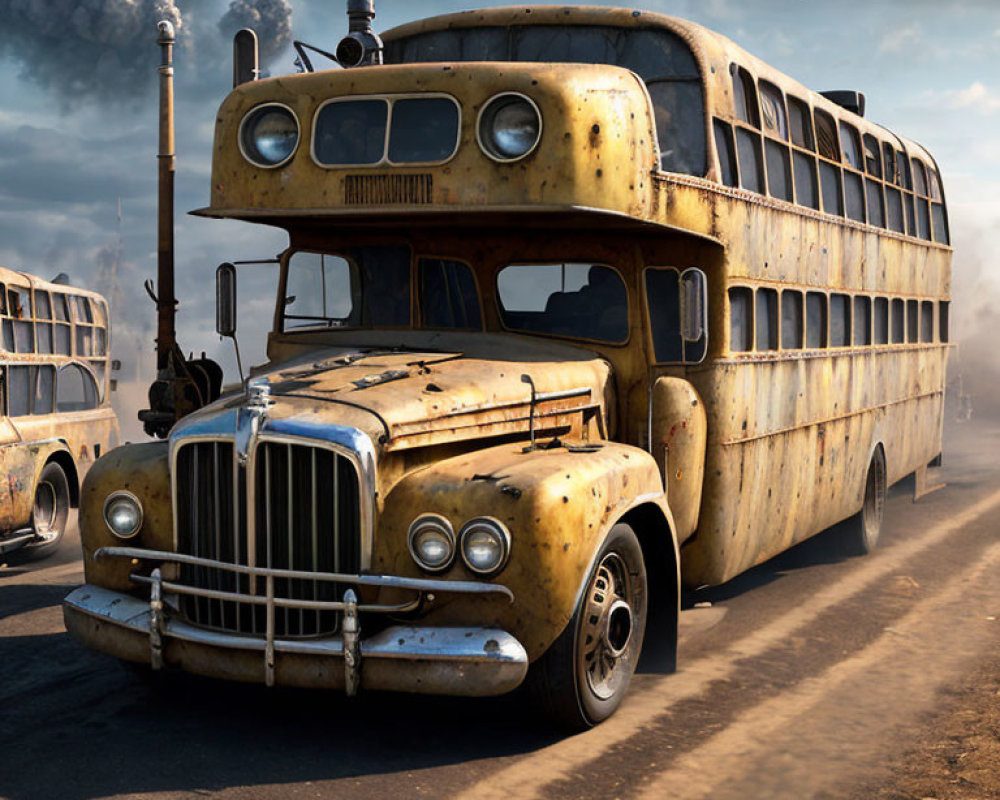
{"points": [[694, 314], [225, 300]]}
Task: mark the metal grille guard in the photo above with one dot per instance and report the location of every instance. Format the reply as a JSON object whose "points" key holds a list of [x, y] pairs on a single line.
{"points": [[349, 606]]}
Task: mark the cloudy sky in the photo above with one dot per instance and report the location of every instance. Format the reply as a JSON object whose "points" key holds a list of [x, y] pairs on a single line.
{"points": [[78, 135]]}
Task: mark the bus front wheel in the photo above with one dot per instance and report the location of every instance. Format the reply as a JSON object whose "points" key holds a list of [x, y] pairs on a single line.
{"points": [[582, 678], [50, 510], [865, 526]]}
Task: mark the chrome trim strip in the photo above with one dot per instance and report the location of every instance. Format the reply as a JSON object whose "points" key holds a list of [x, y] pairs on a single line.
{"points": [[277, 602], [387, 581]]}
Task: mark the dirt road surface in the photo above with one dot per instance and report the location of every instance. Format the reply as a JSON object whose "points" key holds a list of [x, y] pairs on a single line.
{"points": [[815, 675]]}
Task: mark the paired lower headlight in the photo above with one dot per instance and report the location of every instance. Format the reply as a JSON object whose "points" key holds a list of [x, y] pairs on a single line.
{"points": [[269, 135], [510, 127], [484, 544], [123, 514]]}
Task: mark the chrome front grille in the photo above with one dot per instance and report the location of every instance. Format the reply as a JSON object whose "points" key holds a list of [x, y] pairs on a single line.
{"points": [[293, 506]]}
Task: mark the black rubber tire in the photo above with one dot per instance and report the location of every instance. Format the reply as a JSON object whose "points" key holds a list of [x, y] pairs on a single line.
{"points": [[50, 511], [557, 682], [864, 528]]}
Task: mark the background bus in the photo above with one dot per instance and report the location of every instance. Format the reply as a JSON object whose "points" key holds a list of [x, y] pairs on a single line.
{"points": [[57, 417]]}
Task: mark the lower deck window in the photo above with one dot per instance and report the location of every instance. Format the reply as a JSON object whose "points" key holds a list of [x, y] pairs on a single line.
{"points": [[740, 319], [579, 301]]}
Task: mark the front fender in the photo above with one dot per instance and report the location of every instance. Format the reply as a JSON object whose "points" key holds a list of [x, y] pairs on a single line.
{"points": [[558, 504], [143, 470]]}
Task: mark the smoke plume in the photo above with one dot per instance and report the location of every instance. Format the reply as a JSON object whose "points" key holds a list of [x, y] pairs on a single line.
{"points": [[271, 19], [103, 49]]}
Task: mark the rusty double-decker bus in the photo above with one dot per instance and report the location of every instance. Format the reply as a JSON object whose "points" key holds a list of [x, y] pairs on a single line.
{"points": [[56, 415], [579, 304]]}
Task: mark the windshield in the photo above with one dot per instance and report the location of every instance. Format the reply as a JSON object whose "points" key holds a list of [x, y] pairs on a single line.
{"points": [[369, 287], [659, 57]]}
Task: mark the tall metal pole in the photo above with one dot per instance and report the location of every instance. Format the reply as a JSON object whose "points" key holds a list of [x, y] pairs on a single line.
{"points": [[166, 338]]}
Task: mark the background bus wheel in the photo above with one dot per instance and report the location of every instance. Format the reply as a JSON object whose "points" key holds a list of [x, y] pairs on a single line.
{"points": [[50, 511], [865, 526], [582, 678]]}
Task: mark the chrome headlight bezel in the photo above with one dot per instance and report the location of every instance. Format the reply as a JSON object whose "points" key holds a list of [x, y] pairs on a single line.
{"points": [[254, 114], [498, 531], [438, 524], [487, 117], [129, 497]]}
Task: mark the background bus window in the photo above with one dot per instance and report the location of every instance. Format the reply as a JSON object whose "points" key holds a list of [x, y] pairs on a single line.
{"points": [[911, 214], [898, 322], [726, 150], [833, 194], [448, 296], [21, 311], [862, 320], [840, 320], [912, 321], [943, 322], [851, 146], [663, 300], [62, 327], [75, 389], [19, 391], [891, 174], [881, 320], [44, 401], [751, 166], [791, 320], [766, 317], [926, 321], [816, 328], [582, 301], [873, 156], [740, 319]]}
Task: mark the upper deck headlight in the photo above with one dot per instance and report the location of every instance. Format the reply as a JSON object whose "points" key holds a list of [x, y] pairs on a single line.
{"points": [[269, 135], [510, 127]]}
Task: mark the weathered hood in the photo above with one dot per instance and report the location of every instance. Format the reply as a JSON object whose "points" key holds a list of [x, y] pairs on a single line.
{"points": [[422, 398]]}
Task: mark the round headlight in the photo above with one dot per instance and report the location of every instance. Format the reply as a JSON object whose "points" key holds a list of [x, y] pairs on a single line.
{"points": [[123, 514], [485, 545], [269, 135], [432, 542], [510, 126]]}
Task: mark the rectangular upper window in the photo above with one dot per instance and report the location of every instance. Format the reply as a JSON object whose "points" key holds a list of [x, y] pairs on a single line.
{"points": [[881, 320], [816, 327], [840, 320], [386, 130], [767, 319], [791, 320]]}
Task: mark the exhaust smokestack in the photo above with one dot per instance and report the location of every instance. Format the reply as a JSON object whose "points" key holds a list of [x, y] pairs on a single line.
{"points": [[362, 46]]}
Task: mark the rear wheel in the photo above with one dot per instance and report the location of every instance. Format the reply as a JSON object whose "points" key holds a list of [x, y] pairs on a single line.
{"points": [[865, 526], [582, 678], [50, 511]]}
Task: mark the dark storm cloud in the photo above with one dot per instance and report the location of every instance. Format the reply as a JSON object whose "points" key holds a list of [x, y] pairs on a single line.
{"points": [[103, 49]]}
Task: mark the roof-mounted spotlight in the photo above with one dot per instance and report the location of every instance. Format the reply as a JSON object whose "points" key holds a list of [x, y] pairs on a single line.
{"points": [[362, 46]]}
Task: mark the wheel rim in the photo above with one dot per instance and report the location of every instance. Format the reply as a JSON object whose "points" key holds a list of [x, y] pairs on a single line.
{"points": [[46, 511], [606, 631], [874, 508]]}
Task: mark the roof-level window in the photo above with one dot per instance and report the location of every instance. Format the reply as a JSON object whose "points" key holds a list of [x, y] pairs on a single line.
{"points": [[826, 136], [772, 107], [800, 123], [663, 60], [852, 146], [745, 96]]}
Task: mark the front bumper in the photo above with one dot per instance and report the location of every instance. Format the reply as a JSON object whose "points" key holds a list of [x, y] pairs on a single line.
{"points": [[427, 660]]}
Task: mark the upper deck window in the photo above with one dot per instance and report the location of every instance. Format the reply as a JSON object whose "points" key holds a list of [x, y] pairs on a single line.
{"points": [[744, 97], [772, 107], [403, 130], [660, 58], [800, 123], [852, 148], [826, 136], [580, 301]]}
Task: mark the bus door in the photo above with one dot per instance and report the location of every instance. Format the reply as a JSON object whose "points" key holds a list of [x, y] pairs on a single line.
{"points": [[676, 314]]}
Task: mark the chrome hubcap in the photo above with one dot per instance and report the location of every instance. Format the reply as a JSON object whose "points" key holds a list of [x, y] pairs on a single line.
{"points": [[606, 629]]}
